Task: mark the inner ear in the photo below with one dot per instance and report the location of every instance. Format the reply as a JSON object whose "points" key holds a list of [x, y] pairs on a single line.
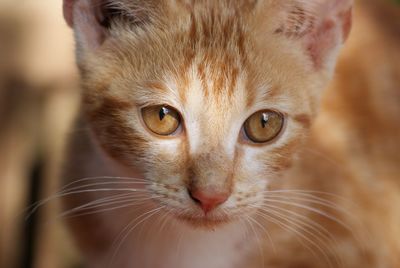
{"points": [[89, 19], [321, 25], [103, 9], [92, 20]]}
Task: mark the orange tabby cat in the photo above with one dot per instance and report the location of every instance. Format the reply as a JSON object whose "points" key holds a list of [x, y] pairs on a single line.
{"points": [[200, 149]]}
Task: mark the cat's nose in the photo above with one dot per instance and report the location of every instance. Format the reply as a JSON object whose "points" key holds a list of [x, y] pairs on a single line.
{"points": [[208, 199]]}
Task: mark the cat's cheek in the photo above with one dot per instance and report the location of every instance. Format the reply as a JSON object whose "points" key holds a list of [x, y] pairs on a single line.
{"points": [[253, 168], [164, 160]]}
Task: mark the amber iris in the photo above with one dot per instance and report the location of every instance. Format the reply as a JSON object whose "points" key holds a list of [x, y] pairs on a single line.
{"points": [[263, 126], [162, 120]]}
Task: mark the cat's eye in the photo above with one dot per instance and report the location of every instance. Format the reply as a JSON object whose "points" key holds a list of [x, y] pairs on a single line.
{"points": [[162, 120], [263, 126]]}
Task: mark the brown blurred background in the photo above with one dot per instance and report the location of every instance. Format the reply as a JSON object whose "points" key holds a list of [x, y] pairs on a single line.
{"points": [[39, 96]]}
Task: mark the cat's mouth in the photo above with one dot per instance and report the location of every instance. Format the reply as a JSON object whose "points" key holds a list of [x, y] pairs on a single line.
{"points": [[206, 221]]}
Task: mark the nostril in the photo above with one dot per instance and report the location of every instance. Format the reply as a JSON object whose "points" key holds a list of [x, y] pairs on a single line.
{"points": [[193, 197], [208, 200]]}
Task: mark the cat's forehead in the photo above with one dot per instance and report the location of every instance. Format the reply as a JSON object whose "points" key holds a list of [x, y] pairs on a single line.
{"points": [[232, 60], [214, 47]]}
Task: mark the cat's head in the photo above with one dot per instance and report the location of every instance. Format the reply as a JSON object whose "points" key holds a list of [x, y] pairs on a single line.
{"points": [[208, 99]]}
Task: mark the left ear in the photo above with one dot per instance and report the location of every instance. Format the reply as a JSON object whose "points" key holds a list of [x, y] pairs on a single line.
{"points": [[322, 26], [67, 10]]}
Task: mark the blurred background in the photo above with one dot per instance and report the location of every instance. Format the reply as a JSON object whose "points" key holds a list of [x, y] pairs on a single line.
{"points": [[39, 96], [38, 99]]}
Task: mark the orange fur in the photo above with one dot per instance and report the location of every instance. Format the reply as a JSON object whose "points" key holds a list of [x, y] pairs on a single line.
{"points": [[217, 63]]}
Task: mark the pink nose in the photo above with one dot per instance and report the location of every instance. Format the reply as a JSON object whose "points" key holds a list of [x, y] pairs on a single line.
{"points": [[209, 200]]}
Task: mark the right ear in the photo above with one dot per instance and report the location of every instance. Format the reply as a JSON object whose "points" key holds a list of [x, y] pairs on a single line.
{"points": [[93, 19], [86, 18], [67, 9]]}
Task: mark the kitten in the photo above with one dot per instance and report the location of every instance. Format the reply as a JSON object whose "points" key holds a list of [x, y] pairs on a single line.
{"points": [[199, 116]]}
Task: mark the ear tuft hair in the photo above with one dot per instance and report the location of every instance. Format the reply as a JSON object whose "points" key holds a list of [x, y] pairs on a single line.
{"points": [[298, 23], [130, 12]]}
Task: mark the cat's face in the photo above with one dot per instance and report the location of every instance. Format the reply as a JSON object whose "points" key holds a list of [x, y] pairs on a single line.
{"points": [[207, 99]]}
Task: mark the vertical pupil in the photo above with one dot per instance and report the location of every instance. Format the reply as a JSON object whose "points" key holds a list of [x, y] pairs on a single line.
{"points": [[163, 112], [264, 119]]}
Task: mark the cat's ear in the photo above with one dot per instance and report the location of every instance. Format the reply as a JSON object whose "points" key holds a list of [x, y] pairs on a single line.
{"points": [[85, 17], [92, 19], [322, 26]]}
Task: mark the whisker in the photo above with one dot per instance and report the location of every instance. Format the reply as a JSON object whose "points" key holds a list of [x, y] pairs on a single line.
{"points": [[306, 220], [102, 178], [62, 189], [312, 209], [104, 210], [57, 196], [320, 212], [312, 193], [111, 183], [313, 200], [266, 232], [288, 227], [318, 199], [163, 222], [322, 239], [114, 201], [249, 220], [128, 229], [96, 202]]}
